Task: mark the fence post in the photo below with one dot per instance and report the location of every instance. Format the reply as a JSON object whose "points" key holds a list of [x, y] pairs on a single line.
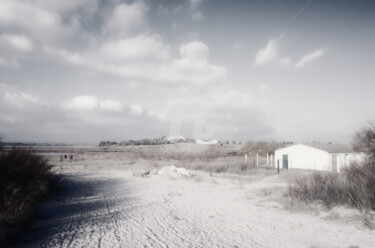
{"points": [[278, 167], [272, 160], [268, 159], [257, 159], [245, 158]]}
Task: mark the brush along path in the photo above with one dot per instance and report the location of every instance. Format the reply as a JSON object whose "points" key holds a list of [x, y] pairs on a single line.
{"points": [[102, 209]]}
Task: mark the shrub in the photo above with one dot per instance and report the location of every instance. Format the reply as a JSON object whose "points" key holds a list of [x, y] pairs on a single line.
{"points": [[361, 185], [25, 180], [354, 187], [325, 187]]}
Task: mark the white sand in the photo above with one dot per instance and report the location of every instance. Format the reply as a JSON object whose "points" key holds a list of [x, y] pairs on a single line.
{"points": [[116, 209]]}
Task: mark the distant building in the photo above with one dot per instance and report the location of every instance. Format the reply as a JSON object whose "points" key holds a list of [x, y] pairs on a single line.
{"points": [[207, 142], [316, 156]]}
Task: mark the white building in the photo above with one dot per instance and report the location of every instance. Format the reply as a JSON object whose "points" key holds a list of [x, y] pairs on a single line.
{"points": [[315, 156], [207, 142]]}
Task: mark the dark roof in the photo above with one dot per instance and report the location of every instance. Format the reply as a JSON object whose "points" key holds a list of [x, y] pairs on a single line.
{"points": [[331, 148]]}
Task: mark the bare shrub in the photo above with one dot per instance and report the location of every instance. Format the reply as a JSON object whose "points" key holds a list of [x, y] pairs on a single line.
{"points": [[25, 179], [361, 185], [325, 187], [353, 187], [364, 140]]}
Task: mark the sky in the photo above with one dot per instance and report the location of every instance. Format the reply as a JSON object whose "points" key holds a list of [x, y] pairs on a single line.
{"points": [[91, 70]]}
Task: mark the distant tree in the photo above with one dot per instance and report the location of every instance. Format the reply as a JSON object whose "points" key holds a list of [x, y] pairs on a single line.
{"points": [[102, 143], [234, 142]]}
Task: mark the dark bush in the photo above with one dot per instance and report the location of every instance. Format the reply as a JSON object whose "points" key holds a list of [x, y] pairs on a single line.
{"points": [[25, 180]]}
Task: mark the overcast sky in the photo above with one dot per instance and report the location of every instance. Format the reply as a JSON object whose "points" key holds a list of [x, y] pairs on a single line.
{"points": [[91, 70]]}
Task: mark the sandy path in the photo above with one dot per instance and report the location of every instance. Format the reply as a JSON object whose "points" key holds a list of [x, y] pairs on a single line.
{"points": [[118, 210]]}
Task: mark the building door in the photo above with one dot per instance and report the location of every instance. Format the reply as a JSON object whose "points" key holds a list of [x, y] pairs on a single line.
{"points": [[334, 163], [285, 161]]}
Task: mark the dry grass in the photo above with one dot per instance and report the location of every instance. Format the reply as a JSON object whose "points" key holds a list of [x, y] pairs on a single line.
{"points": [[25, 179], [354, 187]]}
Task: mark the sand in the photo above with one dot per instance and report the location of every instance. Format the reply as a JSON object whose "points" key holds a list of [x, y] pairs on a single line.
{"points": [[113, 208]]}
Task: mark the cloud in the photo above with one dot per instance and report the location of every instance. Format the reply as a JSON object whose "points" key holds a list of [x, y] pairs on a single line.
{"points": [[111, 106], [195, 3], [136, 109], [192, 66], [220, 113], [83, 103], [194, 51], [17, 42], [267, 54], [126, 18], [135, 48], [309, 58], [23, 17], [198, 16], [285, 61], [66, 5], [21, 99], [270, 54]]}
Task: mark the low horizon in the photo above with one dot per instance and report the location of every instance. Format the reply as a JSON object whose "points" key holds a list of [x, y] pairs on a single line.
{"points": [[79, 72]]}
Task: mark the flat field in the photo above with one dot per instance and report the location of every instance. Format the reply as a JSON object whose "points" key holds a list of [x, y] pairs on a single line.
{"points": [[224, 202]]}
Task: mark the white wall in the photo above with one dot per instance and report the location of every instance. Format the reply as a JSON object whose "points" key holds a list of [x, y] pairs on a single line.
{"points": [[303, 157]]}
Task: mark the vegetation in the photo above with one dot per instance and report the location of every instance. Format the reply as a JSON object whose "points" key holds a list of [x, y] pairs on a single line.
{"points": [[25, 180], [262, 147], [355, 186], [144, 142]]}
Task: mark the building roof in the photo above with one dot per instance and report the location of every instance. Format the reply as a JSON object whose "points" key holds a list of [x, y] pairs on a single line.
{"points": [[331, 148]]}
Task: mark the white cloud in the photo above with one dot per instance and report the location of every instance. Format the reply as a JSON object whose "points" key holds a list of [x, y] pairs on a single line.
{"points": [[138, 47], [126, 18], [194, 51], [111, 106], [83, 103], [65, 5], [17, 16], [136, 109], [192, 67], [309, 58], [267, 54], [17, 42], [21, 99], [195, 3]]}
